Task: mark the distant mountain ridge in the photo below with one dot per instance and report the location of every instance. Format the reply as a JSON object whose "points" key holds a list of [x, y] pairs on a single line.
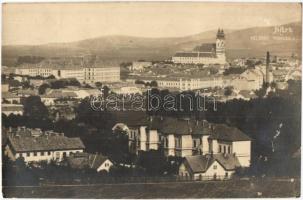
{"points": [[245, 42]]}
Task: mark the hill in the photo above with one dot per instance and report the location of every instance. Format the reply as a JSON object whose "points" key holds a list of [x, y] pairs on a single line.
{"points": [[245, 42]]}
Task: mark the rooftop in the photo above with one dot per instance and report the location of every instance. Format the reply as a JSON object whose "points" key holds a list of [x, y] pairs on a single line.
{"points": [[83, 160], [28, 140], [201, 163]]}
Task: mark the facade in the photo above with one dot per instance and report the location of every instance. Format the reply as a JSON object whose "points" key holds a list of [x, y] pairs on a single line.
{"points": [[209, 53], [33, 70], [251, 79], [140, 65], [33, 145], [84, 73], [16, 109]]}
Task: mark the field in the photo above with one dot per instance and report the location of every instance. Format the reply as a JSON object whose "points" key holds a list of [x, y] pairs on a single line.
{"points": [[211, 189]]}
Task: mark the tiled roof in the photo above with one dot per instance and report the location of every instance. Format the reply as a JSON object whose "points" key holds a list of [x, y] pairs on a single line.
{"points": [[11, 107], [86, 160], [59, 94], [195, 54], [201, 163], [44, 143], [130, 118], [227, 133], [170, 125], [206, 47], [186, 54]]}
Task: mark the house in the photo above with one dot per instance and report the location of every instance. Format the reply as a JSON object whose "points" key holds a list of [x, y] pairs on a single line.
{"points": [[187, 137], [8, 97], [26, 92], [251, 79], [96, 162], [5, 87], [210, 166], [16, 109], [33, 145], [140, 65], [49, 98]]}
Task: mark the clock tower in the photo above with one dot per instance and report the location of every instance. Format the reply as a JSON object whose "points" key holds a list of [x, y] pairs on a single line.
{"points": [[220, 45]]}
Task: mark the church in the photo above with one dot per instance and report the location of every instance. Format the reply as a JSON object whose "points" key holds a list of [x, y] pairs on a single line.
{"points": [[207, 53]]}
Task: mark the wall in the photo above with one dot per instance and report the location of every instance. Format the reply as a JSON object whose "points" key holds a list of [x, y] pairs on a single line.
{"points": [[153, 139], [143, 138], [54, 155], [242, 149], [106, 165]]}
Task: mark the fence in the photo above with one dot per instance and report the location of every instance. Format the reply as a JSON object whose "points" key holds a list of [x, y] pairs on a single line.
{"points": [[139, 179]]}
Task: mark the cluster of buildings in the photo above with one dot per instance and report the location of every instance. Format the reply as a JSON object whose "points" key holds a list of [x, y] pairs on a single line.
{"points": [[208, 53], [198, 141], [84, 72]]}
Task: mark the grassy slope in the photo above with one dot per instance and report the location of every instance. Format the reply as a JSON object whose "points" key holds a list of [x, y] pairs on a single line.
{"points": [[235, 189]]}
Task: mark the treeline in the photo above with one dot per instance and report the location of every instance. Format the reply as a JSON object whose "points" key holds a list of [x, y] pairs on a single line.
{"points": [[29, 59]]}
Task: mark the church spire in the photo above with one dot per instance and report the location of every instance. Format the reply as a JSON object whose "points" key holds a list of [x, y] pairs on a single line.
{"points": [[220, 34]]}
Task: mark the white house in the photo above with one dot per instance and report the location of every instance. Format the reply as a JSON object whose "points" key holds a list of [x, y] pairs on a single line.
{"points": [[206, 167], [16, 109], [33, 145], [97, 162]]}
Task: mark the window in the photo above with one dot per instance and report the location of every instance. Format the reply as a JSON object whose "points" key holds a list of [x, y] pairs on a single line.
{"points": [[215, 167], [195, 143], [229, 151], [49, 153], [35, 153], [220, 149], [28, 154], [42, 153]]}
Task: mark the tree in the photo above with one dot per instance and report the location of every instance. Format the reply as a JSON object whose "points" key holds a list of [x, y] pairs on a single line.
{"points": [[153, 84], [33, 107], [42, 88], [98, 84], [228, 91]]}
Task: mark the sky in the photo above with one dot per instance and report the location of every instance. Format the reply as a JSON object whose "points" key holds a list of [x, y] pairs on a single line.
{"points": [[41, 23]]}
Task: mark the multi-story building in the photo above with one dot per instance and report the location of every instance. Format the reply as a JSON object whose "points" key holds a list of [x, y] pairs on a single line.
{"points": [[84, 73], [187, 137], [33, 145], [208, 53]]}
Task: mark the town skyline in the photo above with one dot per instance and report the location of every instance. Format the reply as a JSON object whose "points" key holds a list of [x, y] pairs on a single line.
{"points": [[83, 22]]}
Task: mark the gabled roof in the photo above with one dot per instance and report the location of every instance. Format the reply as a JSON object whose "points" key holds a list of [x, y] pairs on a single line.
{"points": [[44, 143], [206, 47], [170, 125], [227, 133], [201, 163], [86, 160]]}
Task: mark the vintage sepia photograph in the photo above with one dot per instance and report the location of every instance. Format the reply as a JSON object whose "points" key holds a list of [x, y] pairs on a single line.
{"points": [[151, 100]]}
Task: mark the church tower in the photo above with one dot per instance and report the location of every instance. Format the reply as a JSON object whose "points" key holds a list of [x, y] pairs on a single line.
{"points": [[220, 46]]}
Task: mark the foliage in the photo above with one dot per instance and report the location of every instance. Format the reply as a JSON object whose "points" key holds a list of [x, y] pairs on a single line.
{"points": [[42, 88], [234, 70], [34, 108]]}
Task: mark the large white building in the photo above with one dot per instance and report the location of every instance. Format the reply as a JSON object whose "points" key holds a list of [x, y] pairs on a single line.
{"points": [[84, 73], [207, 53], [33, 145], [186, 137]]}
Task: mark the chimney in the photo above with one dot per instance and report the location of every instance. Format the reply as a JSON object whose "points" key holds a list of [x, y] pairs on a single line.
{"points": [[267, 67]]}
